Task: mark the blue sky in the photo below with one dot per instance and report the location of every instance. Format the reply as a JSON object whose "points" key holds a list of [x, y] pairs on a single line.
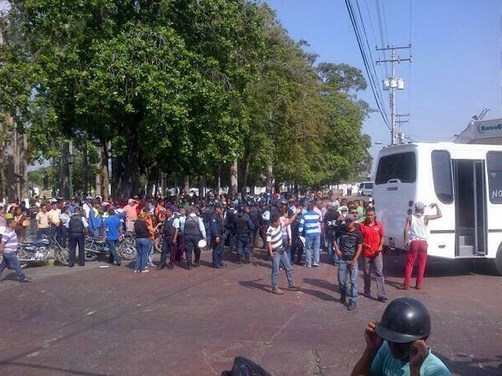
{"points": [[456, 48]]}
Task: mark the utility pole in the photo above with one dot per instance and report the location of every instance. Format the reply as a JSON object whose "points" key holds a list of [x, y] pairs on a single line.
{"points": [[393, 83]]}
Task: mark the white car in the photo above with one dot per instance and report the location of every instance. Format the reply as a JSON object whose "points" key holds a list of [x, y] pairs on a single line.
{"points": [[365, 188]]}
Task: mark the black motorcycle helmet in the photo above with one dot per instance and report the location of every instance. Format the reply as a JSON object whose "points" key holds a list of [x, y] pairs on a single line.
{"points": [[404, 320]]}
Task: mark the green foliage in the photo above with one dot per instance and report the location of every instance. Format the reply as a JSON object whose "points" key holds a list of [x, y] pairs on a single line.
{"points": [[180, 86]]}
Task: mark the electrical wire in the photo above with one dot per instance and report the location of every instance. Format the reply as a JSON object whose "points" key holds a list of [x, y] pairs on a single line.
{"points": [[367, 63]]}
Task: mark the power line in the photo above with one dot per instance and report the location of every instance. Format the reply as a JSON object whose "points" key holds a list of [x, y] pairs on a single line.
{"points": [[367, 63]]}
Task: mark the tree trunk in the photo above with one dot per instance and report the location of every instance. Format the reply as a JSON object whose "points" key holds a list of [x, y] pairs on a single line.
{"points": [[269, 184], [85, 168], [245, 175], [186, 184], [233, 178], [104, 173], [129, 181]]}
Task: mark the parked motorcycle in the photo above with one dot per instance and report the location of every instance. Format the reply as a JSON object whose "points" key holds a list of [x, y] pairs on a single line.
{"points": [[36, 251], [94, 248]]}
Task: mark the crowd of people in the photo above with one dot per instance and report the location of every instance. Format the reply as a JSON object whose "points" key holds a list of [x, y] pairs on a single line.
{"points": [[289, 230]]}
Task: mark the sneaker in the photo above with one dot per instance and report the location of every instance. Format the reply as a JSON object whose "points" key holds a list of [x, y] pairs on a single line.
{"points": [[294, 287], [402, 287], [367, 295], [343, 299], [352, 306], [145, 271], [418, 287], [316, 265], [277, 291], [382, 299], [25, 280], [137, 271], [307, 266]]}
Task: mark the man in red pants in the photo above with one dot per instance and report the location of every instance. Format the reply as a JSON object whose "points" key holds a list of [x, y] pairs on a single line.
{"points": [[415, 238]]}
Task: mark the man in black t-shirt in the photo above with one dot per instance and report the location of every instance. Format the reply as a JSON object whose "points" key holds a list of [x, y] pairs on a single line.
{"points": [[331, 224], [348, 245]]}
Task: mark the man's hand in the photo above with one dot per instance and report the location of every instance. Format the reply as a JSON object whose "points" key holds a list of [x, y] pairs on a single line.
{"points": [[174, 242], [353, 264], [217, 240], [418, 353], [373, 340]]}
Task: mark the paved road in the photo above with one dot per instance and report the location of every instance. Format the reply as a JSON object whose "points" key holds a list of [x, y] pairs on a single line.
{"points": [[95, 321]]}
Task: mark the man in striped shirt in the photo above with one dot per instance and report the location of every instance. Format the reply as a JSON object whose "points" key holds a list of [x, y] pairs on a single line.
{"points": [[310, 225], [278, 253], [8, 247]]}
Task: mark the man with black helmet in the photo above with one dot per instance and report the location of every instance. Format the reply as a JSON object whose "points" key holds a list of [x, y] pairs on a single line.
{"points": [[396, 345]]}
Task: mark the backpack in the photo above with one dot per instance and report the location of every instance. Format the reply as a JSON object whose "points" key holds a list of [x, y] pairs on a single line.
{"points": [[75, 225]]}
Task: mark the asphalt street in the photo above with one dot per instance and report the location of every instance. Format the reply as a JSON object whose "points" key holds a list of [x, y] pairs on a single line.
{"points": [[98, 320]]}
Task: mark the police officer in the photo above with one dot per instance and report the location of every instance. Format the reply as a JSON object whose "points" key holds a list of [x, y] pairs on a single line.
{"points": [[78, 228], [194, 232], [243, 225], [396, 345], [170, 230], [217, 235]]}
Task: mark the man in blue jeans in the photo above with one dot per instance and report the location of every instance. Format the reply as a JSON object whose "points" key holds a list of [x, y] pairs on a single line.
{"points": [[278, 254], [8, 247], [348, 243], [111, 233], [311, 227]]}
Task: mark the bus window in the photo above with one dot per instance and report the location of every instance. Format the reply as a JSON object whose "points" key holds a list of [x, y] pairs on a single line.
{"points": [[441, 173], [402, 166], [494, 167]]}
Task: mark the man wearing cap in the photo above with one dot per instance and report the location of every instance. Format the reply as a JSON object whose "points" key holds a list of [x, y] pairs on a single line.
{"points": [[331, 223], [348, 244], [170, 231], [397, 344], [415, 239], [217, 235], [8, 248], [194, 232]]}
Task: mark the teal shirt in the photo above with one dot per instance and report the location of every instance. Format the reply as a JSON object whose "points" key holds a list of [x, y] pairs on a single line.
{"points": [[385, 364]]}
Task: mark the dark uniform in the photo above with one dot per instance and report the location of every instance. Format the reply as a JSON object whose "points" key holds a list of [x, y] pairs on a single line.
{"points": [[169, 235], [217, 229], [192, 237], [243, 225], [76, 236]]}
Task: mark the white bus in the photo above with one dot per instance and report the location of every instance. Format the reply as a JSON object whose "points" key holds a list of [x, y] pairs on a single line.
{"points": [[465, 181]]}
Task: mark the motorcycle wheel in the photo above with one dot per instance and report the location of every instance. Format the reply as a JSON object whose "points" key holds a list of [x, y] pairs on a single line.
{"points": [[62, 255], [157, 245], [127, 251], [23, 255], [91, 252]]}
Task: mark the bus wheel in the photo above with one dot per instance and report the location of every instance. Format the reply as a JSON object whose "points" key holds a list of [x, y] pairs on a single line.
{"points": [[498, 260]]}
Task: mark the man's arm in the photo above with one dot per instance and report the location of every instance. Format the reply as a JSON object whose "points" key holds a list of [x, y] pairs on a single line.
{"points": [[438, 214], [356, 256], [373, 343], [406, 232]]}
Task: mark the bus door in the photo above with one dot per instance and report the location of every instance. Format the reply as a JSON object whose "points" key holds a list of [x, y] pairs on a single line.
{"points": [[470, 207]]}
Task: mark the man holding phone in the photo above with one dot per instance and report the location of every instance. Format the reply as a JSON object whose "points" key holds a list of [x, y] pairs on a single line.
{"points": [[397, 344]]}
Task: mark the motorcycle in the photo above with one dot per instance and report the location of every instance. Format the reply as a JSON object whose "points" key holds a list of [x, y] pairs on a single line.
{"points": [[127, 246], [33, 252], [94, 248]]}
